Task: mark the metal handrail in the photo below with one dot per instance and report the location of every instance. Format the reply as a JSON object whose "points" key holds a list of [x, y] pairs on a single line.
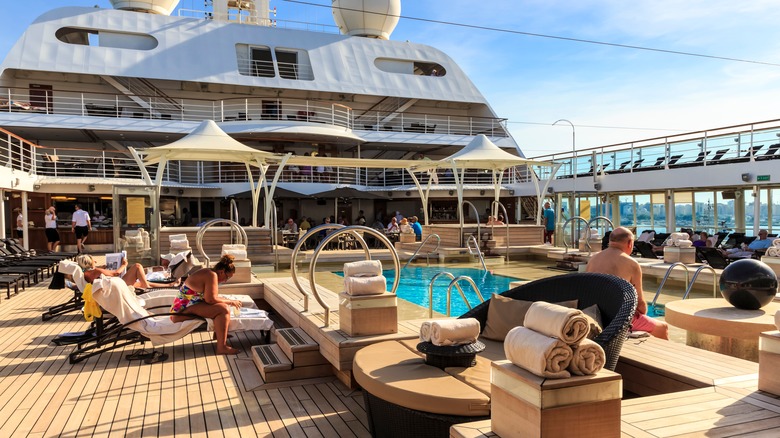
{"points": [[430, 291], [506, 217], [438, 243], [233, 214], [476, 215], [274, 238], [668, 272], [199, 237], [696, 274], [476, 251], [596, 219], [455, 281], [302, 241], [324, 242], [579, 218]]}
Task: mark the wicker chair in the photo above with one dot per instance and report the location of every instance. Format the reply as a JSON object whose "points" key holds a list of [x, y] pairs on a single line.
{"points": [[615, 297]]}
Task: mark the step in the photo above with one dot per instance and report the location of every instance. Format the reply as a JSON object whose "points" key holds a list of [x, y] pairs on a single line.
{"points": [[299, 347], [274, 366]]}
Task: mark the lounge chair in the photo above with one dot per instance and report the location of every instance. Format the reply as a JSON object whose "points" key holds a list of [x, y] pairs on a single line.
{"points": [[713, 257], [645, 250], [67, 267], [770, 152], [718, 155], [136, 324]]}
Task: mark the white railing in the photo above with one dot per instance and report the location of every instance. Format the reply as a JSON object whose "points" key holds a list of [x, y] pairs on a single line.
{"points": [[732, 144]]}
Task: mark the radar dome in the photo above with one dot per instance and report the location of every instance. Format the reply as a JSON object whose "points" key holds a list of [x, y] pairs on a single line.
{"points": [[367, 18], [162, 7]]}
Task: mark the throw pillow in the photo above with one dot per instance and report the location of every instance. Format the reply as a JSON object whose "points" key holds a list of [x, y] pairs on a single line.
{"points": [[505, 313], [593, 314]]}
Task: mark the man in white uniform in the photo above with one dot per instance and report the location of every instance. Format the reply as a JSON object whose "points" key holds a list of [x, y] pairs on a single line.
{"points": [[81, 226]]}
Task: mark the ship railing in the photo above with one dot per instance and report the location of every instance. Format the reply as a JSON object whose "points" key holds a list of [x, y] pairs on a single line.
{"points": [[749, 142], [417, 123]]}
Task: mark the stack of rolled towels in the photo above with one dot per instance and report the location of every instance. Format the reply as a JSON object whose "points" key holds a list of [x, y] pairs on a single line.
{"points": [[450, 332], [238, 251], [552, 343], [364, 278], [179, 242], [774, 250], [680, 240]]}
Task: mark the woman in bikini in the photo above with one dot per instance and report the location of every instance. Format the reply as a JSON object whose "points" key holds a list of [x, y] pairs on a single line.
{"points": [[199, 295], [132, 275]]}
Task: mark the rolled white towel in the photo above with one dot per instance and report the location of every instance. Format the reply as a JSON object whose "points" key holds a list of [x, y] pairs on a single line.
{"points": [[454, 331], [568, 325], [365, 285], [175, 237], [587, 358], [537, 353], [683, 243], [776, 243], [777, 319], [363, 268], [425, 331], [773, 251]]}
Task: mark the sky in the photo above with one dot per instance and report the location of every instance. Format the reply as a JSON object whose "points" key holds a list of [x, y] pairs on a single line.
{"points": [[609, 94]]}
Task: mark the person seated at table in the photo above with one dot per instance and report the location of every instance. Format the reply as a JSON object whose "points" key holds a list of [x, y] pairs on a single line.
{"points": [[493, 221], [134, 275], [290, 226], [704, 240], [404, 226], [392, 227], [747, 251], [305, 225], [199, 295]]}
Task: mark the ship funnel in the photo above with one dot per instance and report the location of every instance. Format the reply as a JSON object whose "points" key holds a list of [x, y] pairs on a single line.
{"points": [[367, 18], [162, 7]]}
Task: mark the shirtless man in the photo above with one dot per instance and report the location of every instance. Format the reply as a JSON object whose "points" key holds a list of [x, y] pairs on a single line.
{"points": [[616, 260]]}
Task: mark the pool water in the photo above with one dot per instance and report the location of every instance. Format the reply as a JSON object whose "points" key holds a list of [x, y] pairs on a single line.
{"points": [[413, 286]]}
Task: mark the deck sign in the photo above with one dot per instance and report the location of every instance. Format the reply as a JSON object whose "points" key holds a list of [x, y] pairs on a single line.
{"points": [[764, 178]]}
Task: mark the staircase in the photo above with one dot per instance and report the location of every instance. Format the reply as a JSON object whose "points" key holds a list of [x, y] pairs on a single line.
{"points": [[294, 356]]}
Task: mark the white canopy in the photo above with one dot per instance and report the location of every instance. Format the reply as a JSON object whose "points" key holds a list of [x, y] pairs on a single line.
{"points": [[481, 153]]}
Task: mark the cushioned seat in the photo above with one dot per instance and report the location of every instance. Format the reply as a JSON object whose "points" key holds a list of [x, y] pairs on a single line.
{"points": [[396, 374]]}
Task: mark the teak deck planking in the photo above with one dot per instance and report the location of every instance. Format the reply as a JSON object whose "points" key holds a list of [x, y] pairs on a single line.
{"points": [[193, 393]]}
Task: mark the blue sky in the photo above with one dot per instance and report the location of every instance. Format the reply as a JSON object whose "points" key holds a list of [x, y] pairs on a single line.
{"points": [[610, 94]]}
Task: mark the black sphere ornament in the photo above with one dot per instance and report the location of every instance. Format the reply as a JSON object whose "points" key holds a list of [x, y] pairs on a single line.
{"points": [[748, 284]]}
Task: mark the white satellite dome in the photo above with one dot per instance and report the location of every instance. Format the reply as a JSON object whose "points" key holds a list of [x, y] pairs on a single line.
{"points": [[368, 18], [162, 7]]}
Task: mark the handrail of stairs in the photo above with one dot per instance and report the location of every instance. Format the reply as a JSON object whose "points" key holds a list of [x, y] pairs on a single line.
{"points": [[672, 267], [696, 274], [427, 256], [430, 291], [352, 229], [573, 240], [233, 225], [506, 226], [476, 251], [453, 283], [596, 219]]}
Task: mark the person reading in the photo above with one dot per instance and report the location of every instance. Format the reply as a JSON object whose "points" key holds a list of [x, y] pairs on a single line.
{"points": [[199, 295], [616, 260], [133, 275]]}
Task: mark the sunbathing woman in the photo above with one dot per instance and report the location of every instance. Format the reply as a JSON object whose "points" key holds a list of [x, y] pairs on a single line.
{"points": [[132, 275], [199, 295]]}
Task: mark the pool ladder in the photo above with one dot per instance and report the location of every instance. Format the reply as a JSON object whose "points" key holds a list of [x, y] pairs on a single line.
{"points": [[427, 255], [688, 284], [453, 283], [475, 250]]}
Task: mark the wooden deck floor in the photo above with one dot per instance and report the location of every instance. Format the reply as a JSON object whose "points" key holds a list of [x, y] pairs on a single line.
{"points": [[193, 393]]}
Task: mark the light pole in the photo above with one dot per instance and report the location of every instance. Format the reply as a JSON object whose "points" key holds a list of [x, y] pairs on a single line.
{"points": [[573, 211]]}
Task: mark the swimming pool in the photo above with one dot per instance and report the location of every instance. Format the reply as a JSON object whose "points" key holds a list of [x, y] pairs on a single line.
{"points": [[413, 286]]}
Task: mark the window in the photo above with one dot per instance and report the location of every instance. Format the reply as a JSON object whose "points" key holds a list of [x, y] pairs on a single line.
{"points": [[288, 64], [402, 66], [106, 38], [261, 62]]}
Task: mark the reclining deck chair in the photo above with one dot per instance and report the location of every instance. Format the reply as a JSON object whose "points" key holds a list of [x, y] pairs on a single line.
{"points": [[615, 297], [713, 257], [67, 267], [645, 250], [136, 324]]}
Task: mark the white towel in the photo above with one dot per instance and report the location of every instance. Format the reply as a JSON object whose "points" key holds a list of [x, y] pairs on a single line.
{"points": [[72, 268], [568, 325], [425, 331], [539, 354], [365, 285], [238, 251], [363, 268], [175, 237], [776, 243], [587, 358], [777, 319], [447, 332]]}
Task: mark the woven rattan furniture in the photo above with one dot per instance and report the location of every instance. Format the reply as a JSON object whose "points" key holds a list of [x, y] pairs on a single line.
{"points": [[405, 397], [616, 299]]}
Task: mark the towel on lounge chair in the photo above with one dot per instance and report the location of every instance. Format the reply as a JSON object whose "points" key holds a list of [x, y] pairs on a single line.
{"points": [[114, 296], [568, 325], [446, 332], [537, 353], [587, 358], [72, 268], [365, 285], [363, 268]]}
